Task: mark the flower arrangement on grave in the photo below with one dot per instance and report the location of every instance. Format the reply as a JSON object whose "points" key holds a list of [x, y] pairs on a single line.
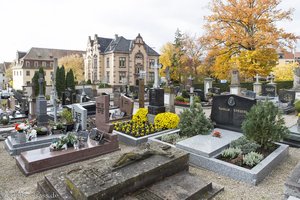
{"points": [[64, 142], [21, 127], [140, 126], [216, 134], [166, 120]]}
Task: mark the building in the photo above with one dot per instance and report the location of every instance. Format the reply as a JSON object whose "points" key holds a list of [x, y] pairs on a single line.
{"points": [[3, 69], [27, 63], [288, 57], [119, 61]]}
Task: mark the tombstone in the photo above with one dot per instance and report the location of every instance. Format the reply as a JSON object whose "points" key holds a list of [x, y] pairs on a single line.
{"points": [[102, 113], [269, 90], [32, 108], [249, 94], [156, 101], [207, 85], [235, 86], [229, 111], [141, 94], [80, 115], [200, 94], [12, 103], [286, 100], [296, 83], [215, 90], [126, 106], [84, 97], [172, 100], [257, 86], [117, 96], [41, 104]]}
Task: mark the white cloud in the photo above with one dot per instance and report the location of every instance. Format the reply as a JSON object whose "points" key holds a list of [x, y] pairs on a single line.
{"points": [[67, 24]]}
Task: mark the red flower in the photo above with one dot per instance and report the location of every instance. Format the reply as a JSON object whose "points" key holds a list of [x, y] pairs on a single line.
{"points": [[216, 134]]}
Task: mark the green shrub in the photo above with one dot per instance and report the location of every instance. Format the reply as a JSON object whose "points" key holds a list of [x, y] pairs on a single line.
{"points": [[89, 82], [185, 94], [66, 115], [245, 145], [251, 159], [179, 98], [193, 122], [297, 106], [231, 153], [197, 99], [264, 124], [172, 138], [186, 100]]}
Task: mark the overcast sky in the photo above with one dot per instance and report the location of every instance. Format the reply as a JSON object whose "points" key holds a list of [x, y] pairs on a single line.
{"points": [[66, 24]]}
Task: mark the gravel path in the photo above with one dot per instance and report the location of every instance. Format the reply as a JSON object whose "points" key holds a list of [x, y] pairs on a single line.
{"points": [[15, 186]]}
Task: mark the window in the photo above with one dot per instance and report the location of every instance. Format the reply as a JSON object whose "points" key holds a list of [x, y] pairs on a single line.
{"points": [[36, 63], [122, 77], [51, 64], [151, 63], [151, 76], [27, 83], [43, 64], [107, 62], [17, 73], [122, 62], [107, 77], [27, 64], [20, 73]]}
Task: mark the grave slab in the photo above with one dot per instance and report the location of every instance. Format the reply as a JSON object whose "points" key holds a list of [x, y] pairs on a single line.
{"points": [[208, 146], [38, 160], [293, 139], [292, 185], [15, 148]]}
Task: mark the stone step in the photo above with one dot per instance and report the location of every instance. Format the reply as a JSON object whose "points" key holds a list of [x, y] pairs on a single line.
{"points": [[181, 186]]}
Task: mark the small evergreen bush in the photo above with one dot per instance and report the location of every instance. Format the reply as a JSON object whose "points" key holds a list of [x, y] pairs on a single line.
{"points": [[251, 159], [179, 98], [185, 94], [265, 125], [193, 122], [231, 153], [245, 145]]}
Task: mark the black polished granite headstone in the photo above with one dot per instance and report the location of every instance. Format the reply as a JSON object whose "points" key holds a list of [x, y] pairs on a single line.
{"points": [[229, 111], [156, 101], [214, 90], [269, 90], [287, 96]]}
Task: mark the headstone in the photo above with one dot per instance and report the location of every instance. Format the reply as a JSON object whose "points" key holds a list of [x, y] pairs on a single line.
{"points": [[41, 105], [207, 85], [286, 101], [117, 96], [102, 113], [32, 108], [156, 101], [80, 115], [235, 87], [172, 100], [84, 97], [214, 90], [126, 106], [269, 90], [229, 111], [141, 93], [156, 74], [12, 103], [200, 94], [257, 86]]}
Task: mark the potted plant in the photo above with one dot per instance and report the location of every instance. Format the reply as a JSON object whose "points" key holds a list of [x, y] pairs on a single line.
{"points": [[67, 118]]}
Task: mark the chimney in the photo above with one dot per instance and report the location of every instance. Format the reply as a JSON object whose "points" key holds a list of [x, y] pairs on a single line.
{"points": [[116, 36]]}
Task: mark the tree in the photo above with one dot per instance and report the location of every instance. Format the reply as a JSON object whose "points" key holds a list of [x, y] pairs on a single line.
{"points": [[60, 81], [284, 72], [74, 62], [244, 32], [70, 82]]}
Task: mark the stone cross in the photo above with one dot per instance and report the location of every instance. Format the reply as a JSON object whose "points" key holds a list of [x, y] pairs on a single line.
{"points": [[41, 84], [271, 77], [257, 78], [156, 74]]}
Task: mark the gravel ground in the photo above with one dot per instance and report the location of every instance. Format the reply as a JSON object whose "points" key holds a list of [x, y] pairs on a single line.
{"points": [[15, 186]]}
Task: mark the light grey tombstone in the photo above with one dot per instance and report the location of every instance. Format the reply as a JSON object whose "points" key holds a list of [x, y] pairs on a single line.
{"points": [[80, 115], [235, 86], [207, 85], [257, 86]]}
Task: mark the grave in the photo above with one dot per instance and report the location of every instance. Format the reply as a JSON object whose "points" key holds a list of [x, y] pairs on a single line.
{"points": [[257, 86], [207, 85], [38, 160], [214, 90], [68, 97], [229, 111], [80, 115], [292, 184], [293, 139], [103, 121], [249, 94], [41, 105], [286, 101], [156, 103], [14, 147], [155, 176], [269, 90]]}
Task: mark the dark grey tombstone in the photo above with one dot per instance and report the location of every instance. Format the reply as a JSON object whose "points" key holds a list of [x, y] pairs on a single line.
{"points": [[269, 90], [229, 111], [287, 96], [41, 104], [214, 90], [156, 101], [249, 94]]}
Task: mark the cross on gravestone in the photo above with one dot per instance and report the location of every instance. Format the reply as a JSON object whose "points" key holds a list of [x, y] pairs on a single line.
{"points": [[156, 74], [271, 77], [41, 83], [257, 77]]}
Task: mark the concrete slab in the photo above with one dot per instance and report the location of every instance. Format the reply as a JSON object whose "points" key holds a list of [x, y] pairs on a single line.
{"points": [[207, 145]]}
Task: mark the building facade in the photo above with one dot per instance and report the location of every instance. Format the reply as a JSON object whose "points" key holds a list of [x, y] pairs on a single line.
{"points": [[27, 63], [119, 61]]}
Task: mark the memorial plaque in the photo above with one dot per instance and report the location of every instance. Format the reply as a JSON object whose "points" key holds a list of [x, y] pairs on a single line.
{"points": [[229, 111]]}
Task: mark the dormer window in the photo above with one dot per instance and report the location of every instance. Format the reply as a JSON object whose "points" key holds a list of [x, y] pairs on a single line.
{"points": [[43, 64], [27, 63], [36, 63]]}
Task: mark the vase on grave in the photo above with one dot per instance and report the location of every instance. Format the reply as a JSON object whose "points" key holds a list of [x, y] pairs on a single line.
{"points": [[21, 136]]}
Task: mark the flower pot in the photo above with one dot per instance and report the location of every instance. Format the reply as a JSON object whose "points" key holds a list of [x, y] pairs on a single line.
{"points": [[21, 137]]}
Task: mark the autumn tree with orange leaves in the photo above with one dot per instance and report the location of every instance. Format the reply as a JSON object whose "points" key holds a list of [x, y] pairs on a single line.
{"points": [[243, 34]]}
